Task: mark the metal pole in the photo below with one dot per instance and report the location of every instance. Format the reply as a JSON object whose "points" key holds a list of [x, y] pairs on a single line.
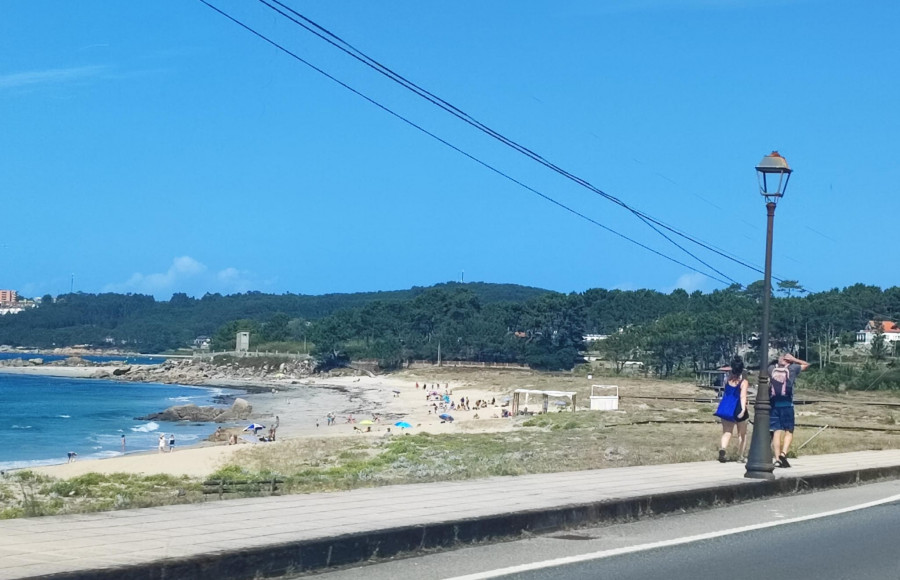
{"points": [[759, 462]]}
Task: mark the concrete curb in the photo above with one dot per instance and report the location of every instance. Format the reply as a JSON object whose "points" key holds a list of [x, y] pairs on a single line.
{"points": [[305, 556]]}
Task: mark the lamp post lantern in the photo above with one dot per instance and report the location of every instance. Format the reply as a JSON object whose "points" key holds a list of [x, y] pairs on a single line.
{"points": [[773, 173]]}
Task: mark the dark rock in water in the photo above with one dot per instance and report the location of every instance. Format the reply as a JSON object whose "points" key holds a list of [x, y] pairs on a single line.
{"points": [[185, 413], [240, 410], [121, 371]]}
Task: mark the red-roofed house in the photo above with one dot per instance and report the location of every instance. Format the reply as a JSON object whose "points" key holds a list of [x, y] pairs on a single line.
{"points": [[890, 329]]}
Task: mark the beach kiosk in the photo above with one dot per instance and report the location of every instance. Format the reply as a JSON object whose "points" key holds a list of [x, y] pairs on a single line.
{"points": [[520, 397], [603, 398]]}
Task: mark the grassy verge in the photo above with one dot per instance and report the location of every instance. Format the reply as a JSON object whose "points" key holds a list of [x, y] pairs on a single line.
{"points": [[25, 493]]}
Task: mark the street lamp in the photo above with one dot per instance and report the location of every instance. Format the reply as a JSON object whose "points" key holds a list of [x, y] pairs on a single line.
{"points": [[773, 173]]}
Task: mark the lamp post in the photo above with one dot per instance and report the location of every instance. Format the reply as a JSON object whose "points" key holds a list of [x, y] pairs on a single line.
{"points": [[773, 173]]}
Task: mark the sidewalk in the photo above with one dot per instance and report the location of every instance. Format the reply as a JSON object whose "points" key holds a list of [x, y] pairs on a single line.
{"points": [[258, 537]]}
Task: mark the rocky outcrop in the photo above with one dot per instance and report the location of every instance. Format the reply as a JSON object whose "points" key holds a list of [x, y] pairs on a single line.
{"points": [[72, 361], [204, 372], [240, 410]]}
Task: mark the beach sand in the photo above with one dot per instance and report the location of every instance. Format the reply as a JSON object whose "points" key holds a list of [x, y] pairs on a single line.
{"points": [[302, 404], [60, 371]]}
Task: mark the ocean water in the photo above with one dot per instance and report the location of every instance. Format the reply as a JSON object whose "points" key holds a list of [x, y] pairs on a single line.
{"points": [[145, 359], [43, 418]]}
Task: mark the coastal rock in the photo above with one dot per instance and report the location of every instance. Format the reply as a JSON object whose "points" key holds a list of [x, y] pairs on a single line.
{"points": [[240, 410], [13, 362], [36, 361], [121, 370], [101, 374], [185, 413]]}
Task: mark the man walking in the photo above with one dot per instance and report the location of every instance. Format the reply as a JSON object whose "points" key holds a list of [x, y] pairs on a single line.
{"points": [[782, 376]]}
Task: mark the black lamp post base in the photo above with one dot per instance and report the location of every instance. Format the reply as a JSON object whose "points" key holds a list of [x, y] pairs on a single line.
{"points": [[760, 471]]}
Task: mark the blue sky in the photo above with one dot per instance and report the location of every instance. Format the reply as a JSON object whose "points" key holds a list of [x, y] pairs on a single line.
{"points": [[156, 147]]}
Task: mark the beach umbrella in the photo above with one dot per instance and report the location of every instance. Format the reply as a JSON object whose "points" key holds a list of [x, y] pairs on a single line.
{"points": [[254, 427], [446, 417], [403, 425], [366, 422]]}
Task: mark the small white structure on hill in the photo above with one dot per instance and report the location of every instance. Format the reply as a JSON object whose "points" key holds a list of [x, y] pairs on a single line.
{"points": [[243, 342]]}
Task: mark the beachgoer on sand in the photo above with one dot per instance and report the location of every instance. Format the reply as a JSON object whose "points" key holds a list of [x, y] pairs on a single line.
{"points": [[72, 455], [171, 442], [162, 443]]}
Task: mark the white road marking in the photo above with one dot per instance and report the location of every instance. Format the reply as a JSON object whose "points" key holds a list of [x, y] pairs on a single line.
{"points": [[666, 543]]}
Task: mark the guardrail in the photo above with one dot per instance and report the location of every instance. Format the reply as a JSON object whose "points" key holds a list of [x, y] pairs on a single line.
{"points": [[221, 486], [251, 354]]}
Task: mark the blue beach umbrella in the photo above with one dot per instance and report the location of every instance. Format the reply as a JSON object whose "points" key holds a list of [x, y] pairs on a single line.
{"points": [[402, 425], [254, 427], [446, 417]]}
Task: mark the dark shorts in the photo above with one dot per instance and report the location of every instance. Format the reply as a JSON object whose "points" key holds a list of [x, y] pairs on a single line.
{"points": [[781, 419], [742, 418]]}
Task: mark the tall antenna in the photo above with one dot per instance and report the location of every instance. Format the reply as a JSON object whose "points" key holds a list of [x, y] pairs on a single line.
{"points": [[72, 284]]}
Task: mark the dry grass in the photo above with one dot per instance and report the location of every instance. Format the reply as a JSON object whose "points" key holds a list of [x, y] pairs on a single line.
{"points": [[649, 428]]}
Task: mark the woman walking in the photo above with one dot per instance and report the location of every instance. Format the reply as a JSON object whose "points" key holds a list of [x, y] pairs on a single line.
{"points": [[733, 409]]}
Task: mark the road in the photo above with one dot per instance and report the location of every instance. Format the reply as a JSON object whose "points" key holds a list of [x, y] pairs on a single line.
{"points": [[805, 539]]}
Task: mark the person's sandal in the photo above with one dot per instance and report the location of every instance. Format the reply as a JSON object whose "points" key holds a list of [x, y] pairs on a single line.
{"points": [[782, 461]]}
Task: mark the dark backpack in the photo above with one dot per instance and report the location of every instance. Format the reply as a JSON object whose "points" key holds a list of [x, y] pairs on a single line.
{"points": [[779, 380]]}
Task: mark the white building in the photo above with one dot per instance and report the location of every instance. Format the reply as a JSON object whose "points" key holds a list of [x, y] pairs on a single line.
{"points": [[891, 332]]}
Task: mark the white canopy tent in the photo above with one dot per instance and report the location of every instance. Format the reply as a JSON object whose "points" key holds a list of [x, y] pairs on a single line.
{"points": [[545, 398]]}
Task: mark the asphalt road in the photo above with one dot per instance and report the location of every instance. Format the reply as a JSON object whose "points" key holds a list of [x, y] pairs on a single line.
{"points": [[858, 545]]}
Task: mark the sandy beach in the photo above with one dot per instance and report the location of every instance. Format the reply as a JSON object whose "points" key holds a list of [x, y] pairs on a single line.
{"points": [[301, 407], [58, 371]]}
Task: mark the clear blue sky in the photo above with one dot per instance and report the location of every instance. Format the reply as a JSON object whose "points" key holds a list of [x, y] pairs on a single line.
{"points": [[156, 147]]}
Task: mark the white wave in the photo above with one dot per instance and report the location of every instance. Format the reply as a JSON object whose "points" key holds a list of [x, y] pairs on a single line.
{"points": [[29, 463], [146, 427], [21, 426], [105, 454], [64, 416], [181, 399]]}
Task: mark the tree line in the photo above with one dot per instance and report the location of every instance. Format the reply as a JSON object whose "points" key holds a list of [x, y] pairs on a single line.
{"points": [[672, 333]]}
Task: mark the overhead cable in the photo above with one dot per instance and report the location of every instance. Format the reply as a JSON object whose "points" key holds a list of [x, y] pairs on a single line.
{"points": [[454, 147], [344, 46]]}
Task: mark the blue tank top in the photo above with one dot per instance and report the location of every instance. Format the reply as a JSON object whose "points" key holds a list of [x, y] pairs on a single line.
{"points": [[732, 390]]}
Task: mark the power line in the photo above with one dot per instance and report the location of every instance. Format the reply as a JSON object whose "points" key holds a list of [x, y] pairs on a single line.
{"points": [[344, 46], [455, 148]]}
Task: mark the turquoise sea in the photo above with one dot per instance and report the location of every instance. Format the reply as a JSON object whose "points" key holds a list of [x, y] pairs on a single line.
{"points": [[43, 418]]}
